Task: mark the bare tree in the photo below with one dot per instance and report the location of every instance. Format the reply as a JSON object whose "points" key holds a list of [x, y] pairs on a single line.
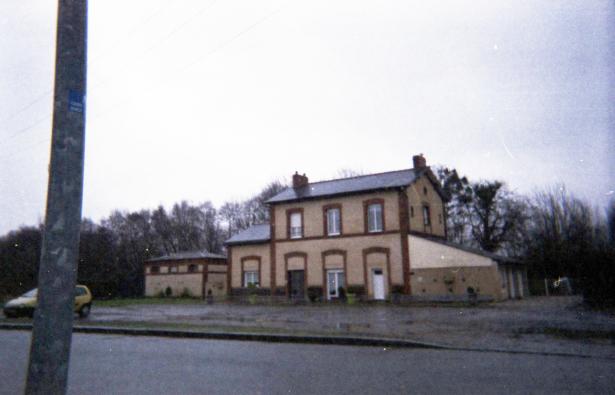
{"points": [[231, 214], [561, 231], [239, 216], [347, 173]]}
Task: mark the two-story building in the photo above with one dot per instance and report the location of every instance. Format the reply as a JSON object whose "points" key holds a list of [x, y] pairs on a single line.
{"points": [[373, 235]]}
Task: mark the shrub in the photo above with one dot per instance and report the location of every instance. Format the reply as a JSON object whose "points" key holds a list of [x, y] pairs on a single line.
{"points": [[314, 294], [186, 293], [168, 292], [356, 290], [397, 289]]}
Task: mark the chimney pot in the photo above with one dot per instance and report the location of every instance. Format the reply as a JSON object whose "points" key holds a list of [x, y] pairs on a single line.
{"points": [[299, 180], [419, 161]]}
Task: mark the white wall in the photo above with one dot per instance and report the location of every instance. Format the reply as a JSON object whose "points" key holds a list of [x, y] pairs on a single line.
{"points": [[426, 254]]}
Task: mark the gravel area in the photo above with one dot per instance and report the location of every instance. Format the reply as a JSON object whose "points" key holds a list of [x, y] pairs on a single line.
{"points": [[544, 324]]}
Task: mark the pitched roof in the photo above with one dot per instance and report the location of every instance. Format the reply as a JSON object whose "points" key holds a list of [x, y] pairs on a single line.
{"points": [[255, 234], [344, 186], [176, 256]]}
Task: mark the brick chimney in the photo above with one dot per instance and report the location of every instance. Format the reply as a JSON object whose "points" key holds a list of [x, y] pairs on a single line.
{"points": [[299, 180], [419, 161]]}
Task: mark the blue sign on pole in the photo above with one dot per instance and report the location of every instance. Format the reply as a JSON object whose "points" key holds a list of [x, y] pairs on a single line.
{"points": [[76, 101]]}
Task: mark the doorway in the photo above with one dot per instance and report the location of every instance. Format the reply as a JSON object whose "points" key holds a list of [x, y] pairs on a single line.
{"points": [[296, 284], [378, 284], [335, 281]]}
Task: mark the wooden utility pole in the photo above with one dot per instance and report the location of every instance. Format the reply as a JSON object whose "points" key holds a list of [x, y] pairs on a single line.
{"points": [[53, 320]]}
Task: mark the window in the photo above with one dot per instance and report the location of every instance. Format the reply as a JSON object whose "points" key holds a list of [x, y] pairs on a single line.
{"points": [[426, 217], [333, 222], [80, 291], [439, 218], [424, 191], [191, 268], [335, 281], [155, 269], [296, 230], [374, 217], [411, 211], [172, 269], [250, 278]]}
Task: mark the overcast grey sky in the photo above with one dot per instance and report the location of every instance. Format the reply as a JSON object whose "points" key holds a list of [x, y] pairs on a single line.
{"points": [[211, 100]]}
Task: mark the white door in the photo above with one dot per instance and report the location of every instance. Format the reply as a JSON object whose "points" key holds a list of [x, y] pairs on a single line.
{"points": [[378, 283], [335, 281]]}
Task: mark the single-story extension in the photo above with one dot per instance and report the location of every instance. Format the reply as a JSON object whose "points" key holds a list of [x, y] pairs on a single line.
{"points": [[194, 273]]}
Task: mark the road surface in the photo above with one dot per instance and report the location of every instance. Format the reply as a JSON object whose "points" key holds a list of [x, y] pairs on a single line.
{"points": [[108, 364]]}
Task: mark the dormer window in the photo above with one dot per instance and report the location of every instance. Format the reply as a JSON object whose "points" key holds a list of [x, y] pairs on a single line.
{"points": [[296, 228]]}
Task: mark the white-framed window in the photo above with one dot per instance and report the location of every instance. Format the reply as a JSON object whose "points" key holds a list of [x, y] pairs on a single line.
{"points": [[426, 216], [172, 269], [335, 281], [374, 217], [333, 222], [250, 278], [295, 226]]}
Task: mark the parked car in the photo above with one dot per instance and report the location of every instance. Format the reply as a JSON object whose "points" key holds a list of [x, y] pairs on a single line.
{"points": [[26, 303]]}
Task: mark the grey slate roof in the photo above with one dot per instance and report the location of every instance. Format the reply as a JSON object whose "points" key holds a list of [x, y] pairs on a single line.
{"points": [[254, 234], [344, 186], [176, 256]]}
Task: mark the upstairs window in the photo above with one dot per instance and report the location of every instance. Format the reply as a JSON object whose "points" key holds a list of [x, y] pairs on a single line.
{"points": [[426, 216], [250, 279], [154, 269], [333, 222], [374, 217], [296, 228], [192, 268]]}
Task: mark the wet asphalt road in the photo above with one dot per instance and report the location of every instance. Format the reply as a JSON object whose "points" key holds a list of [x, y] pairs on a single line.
{"points": [[105, 364]]}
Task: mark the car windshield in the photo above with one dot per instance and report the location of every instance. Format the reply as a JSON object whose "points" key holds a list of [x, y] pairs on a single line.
{"points": [[30, 294]]}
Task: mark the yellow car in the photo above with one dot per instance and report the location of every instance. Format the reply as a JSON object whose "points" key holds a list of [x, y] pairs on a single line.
{"points": [[26, 303]]}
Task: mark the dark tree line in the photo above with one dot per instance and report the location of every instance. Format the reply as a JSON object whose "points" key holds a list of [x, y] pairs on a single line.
{"points": [[112, 252]]}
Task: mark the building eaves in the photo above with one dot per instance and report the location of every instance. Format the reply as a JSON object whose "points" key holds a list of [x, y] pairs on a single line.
{"points": [[187, 255]]}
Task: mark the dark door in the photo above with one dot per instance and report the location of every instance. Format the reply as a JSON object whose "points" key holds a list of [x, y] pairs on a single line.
{"points": [[296, 283]]}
